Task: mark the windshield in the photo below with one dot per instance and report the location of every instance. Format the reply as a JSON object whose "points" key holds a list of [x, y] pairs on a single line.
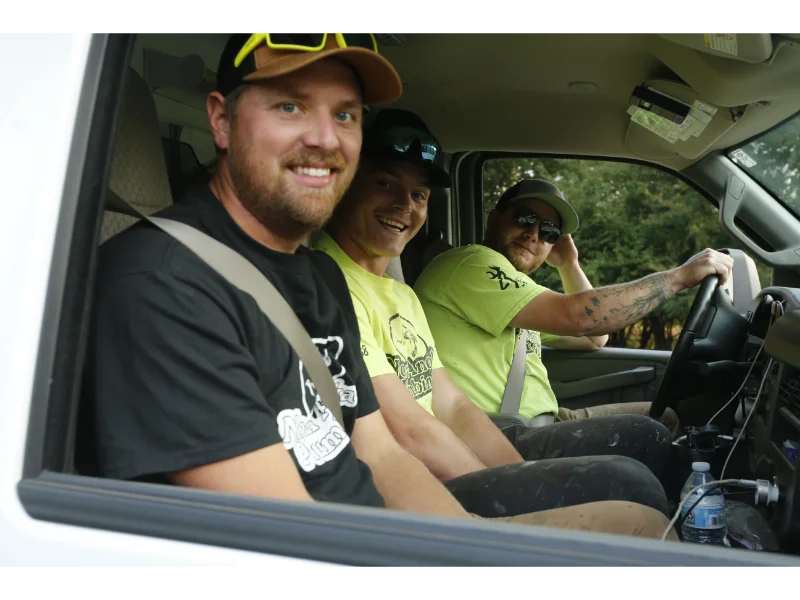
{"points": [[774, 161]]}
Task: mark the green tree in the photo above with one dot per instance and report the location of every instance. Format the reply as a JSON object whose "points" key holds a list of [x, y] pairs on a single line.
{"points": [[634, 220]]}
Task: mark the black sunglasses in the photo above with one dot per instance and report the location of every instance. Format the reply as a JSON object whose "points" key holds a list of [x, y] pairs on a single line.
{"points": [[548, 231], [406, 141]]}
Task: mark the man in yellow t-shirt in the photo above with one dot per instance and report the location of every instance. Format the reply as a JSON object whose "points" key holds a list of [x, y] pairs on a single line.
{"points": [[480, 298], [426, 411], [490, 293]]}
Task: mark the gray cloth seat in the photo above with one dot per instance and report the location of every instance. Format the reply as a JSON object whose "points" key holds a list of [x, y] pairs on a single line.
{"points": [[138, 171], [395, 269]]}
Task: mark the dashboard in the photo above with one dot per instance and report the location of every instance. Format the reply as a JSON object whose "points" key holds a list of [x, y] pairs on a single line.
{"points": [[775, 323]]}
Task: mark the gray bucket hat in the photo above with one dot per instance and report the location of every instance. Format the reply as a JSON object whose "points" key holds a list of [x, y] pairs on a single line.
{"points": [[545, 191]]}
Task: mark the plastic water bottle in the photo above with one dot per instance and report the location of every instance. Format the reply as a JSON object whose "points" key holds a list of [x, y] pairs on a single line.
{"points": [[706, 523]]}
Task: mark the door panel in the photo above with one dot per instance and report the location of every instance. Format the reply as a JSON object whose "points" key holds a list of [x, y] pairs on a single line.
{"points": [[605, 376]]}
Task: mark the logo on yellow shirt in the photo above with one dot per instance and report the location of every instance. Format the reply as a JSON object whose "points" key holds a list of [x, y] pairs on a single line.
{"points": [[413, 362], [533, 343], [495, 273]]}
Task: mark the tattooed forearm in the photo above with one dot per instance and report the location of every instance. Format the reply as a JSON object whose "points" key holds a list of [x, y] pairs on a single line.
{"points": [[614, 307]]}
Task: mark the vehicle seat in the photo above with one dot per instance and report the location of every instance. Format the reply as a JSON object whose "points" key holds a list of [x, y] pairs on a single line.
{"points": [[395, 269], [434, 246], [138, 175], [183, 166], [138, 171]]}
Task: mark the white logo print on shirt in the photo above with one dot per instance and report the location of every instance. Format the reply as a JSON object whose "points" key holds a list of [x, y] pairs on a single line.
{"points": [[315, 436]]}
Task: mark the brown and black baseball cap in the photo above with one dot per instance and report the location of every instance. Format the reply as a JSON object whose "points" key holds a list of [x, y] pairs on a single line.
{"points": [[539, 189], [380, 82]]}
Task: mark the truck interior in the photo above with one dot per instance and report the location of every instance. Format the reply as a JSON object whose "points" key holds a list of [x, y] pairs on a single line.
{"points": [[733, 375]]}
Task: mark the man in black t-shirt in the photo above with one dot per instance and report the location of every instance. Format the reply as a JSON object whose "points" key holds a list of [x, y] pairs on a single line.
{"points": [[188, 383]]}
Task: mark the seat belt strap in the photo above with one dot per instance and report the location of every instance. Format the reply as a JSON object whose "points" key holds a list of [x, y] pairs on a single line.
{"points": [[241, 273], [516, 378]]}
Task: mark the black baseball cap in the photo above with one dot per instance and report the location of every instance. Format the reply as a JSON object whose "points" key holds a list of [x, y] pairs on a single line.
{"points": [[400, 135], [545, 191], [379, 79]]}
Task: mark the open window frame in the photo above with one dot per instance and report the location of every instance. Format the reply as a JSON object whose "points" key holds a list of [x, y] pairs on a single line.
{"points": [[51, 492]]}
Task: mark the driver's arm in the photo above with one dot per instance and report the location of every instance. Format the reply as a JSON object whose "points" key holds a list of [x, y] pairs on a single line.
{"points": [[574, 280], [606, 309], [568, 342], [485, 291]]}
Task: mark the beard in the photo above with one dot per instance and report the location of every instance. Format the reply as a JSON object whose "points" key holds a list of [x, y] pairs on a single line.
{"points": [[273, 200], [520, 261], [520, 265]]}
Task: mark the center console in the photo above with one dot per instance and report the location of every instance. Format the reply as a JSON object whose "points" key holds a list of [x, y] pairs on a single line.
{"points": [[775, 425]]}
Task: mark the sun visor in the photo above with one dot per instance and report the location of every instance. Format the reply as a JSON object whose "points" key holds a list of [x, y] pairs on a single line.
{"points": [[746, 47], [669, 120]]}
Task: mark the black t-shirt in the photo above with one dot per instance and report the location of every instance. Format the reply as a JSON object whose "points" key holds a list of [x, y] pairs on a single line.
{"points": [[183, 369]]}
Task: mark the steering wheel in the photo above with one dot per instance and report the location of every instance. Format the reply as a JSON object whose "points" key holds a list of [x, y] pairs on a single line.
{"points": [[697, 327]]}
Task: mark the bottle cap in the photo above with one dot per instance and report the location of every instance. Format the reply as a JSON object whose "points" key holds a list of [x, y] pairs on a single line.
{"points": [[701, 466]]}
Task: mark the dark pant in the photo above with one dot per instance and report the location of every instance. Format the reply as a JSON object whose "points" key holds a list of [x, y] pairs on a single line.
{"points": [[569, 463], [634, 436]]}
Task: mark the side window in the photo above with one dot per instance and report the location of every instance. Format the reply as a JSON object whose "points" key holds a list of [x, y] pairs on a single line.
{"points": [[634, 220], [773, 159]]}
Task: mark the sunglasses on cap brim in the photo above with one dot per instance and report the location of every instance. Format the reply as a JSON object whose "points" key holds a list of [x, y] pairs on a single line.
{"points": [[549, 232], [406, 141], [305, 42]]}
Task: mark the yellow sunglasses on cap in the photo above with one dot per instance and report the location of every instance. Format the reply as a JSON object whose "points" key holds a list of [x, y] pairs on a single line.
{"points": [[305, 42]]}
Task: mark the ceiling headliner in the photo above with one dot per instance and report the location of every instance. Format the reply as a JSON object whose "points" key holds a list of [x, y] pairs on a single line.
{"points": [[511, 92]]}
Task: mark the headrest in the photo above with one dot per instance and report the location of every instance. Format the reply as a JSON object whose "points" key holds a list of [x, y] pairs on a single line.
{"points": [[138, 171]]}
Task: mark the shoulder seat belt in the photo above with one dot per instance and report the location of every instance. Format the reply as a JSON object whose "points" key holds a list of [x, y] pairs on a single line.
{"points": [[240, 272], [512, 397], [516, 378]]}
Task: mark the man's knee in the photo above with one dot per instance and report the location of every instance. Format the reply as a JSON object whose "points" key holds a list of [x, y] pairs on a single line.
{"points": [[646, 422], [639, 410], [632, 519], [671, 421], [639, 432], [632, 481], [647, 430], [612, 516]]}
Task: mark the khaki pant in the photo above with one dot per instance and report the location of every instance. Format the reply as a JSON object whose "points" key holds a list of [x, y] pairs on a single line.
{"points": [[669, 418], [611, 516]]}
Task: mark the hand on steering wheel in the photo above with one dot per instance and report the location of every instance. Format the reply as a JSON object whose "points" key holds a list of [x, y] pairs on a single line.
{"points": [[679, 360], [701, 265]]}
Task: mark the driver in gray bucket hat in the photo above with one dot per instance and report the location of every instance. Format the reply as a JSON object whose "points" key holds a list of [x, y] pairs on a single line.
{"points": [[483, 308]]}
